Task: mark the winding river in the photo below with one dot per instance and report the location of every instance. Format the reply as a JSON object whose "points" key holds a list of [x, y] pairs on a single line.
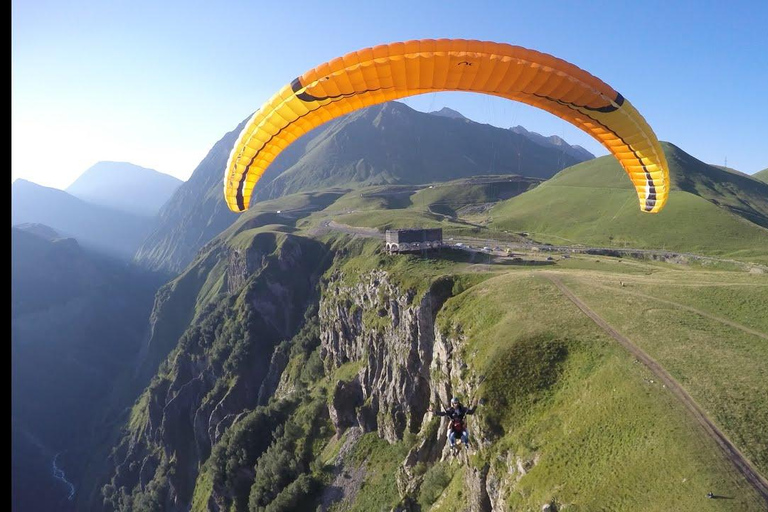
{"points": [[59, 475]]}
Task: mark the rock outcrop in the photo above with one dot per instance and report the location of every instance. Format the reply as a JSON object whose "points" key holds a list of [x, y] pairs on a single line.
{"points": [[224, 364]]}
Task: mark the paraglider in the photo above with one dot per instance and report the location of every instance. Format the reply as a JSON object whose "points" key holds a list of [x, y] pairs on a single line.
{"points": [[387, 72], [457, 429]]}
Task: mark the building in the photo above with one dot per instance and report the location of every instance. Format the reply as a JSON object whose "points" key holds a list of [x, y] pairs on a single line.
{"points": [[413, 240]]}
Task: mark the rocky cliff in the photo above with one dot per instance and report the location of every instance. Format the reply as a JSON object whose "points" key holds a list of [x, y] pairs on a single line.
{"points": [[280, 368], [252, 295]]}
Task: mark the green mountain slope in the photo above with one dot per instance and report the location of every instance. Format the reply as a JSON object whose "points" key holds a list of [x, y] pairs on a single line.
{"points": [[569, 416], [761, 175], [444, 198], [288, 362], [221, 321], [710, 211]]}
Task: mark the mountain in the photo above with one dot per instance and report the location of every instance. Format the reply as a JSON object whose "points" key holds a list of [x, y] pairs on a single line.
{"points": [[290, 366], [394, 144], [448, 112], [77, 322], [196, 212], [303, 371], [553, 141], [383, 144], [761, 175], [101, 228], [125, 187], [710, 210], [257, 281]]}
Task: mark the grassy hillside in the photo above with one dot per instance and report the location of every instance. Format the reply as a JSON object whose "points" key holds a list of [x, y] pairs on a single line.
{"points": [[443, 198], [570, 417], [450, 197], [761, 175], [602, 434], [710, 211], [382, 145], [723, 365]]}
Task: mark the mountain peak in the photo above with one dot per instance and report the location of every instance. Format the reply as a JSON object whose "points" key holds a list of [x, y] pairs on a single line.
{"points": [[448, 112], [125, 186], [553, 141]]}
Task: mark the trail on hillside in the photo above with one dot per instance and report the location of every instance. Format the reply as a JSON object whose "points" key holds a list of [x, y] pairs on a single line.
{"points": [[730, 451], [725, 321]]}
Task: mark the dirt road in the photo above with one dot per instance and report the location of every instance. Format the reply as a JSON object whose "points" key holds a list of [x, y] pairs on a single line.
{"points": [[732, 453], [725, 321]]}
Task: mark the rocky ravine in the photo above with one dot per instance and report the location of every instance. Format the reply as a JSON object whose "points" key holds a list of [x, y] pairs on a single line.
{"points": [[229, 362], [407, 364], [215, 373]]}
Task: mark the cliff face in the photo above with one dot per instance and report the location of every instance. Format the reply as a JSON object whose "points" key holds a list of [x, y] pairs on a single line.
{"points": [[254, 297], [406, 367], [277, 390], [391, 333]]}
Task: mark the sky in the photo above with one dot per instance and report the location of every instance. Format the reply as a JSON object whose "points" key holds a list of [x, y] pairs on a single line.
{"points": [[158, 83]]}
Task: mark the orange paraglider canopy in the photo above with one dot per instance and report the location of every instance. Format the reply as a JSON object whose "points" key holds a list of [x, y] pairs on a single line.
{"points": [[388, 72]]}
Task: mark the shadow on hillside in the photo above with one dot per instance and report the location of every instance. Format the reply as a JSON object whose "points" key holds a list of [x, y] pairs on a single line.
{"points": [[482, 258]]}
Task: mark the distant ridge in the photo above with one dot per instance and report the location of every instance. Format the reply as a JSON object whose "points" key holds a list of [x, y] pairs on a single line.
{"points": [[106, 230], [575, 151], [125, 186], [710, 210], [392, 143], [448, 112]]}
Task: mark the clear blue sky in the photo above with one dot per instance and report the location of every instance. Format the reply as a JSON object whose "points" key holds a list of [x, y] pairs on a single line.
{"points": [[157, 83]]}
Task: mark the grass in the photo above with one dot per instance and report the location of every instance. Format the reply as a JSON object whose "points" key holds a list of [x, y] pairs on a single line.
{"points": [[554, 213], [710, 211], [381, 459], [347, 371], [448, 197], [453, 498], [384, 197], [724, 368], [602, 437], [392, 219], [738, 297]]}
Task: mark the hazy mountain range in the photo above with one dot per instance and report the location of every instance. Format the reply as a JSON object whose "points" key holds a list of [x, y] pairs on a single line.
{"points": [[105, 229], [110, 208], [125, 187]]}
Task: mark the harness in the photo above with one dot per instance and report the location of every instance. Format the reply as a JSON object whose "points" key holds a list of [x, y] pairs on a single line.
{"points": [[457, 425]]}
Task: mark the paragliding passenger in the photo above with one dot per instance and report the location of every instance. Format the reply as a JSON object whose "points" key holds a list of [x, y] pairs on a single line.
{"points": [[456, 413]]}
